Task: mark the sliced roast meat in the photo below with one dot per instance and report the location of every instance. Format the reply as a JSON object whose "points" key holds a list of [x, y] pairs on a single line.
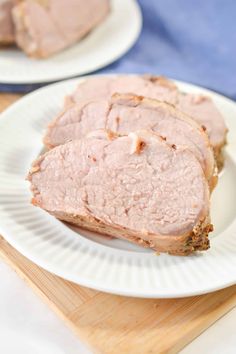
{"points": [[45, 27], [135, 187], [200, 108], [6, 22], [126, 113], [206, 114], [76, 122], [103, 87]]}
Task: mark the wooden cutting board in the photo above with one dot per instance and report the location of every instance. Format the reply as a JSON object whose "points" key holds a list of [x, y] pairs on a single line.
{"points": [[112, 324]]}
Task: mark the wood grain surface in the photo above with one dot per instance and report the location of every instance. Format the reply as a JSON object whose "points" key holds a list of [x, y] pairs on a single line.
{"points": [[112, 324], [6, 99]]}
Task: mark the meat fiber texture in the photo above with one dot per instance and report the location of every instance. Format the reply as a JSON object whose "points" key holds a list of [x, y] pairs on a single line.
{"points": [[135, 187], [201, 108], [45, 27], [125, 113], [6, 22]]}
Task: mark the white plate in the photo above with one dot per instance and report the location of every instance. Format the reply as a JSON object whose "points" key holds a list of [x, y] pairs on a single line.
{"points": [[105, 44], [94, 261]]}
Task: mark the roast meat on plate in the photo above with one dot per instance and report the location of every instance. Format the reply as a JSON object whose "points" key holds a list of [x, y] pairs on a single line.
{"points": [[45, 27], [6, 22], [135, 187], [126, 113], [199, 107]]}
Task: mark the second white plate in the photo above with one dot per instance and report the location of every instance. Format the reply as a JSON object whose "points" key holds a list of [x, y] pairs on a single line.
{"points": [[91, 260], [105, 44]]}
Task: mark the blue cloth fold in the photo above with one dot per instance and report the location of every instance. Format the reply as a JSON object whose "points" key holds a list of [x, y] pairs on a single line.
{"points": [[189, 40]]}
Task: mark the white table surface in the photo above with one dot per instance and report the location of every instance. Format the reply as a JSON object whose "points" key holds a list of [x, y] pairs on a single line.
{"points": [[29, 326]]}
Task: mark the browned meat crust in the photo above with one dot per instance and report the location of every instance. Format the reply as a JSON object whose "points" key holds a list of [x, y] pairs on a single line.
{"points": [[6, 41], [196, 240], [219, 155]]}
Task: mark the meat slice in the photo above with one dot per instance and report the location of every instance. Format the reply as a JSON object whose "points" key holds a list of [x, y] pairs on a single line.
{"points": [[200, 108], [135, 187], [6, 23], [126, 113], [207, 115], [45, 27], [103, 87]]}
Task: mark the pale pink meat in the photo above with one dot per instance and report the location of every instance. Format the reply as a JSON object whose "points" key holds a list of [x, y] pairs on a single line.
{"points": [[126, 113], [136, 183], [103, 87], [45, 27], [200, 108], [205, 112], [6, 23]]}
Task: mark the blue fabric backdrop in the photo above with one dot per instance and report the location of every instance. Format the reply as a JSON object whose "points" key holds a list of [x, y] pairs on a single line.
{"points": [[190, 40]]}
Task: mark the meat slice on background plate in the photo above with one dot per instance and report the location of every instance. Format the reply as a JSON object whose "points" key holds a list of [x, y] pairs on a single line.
{"points": [[125, 113], [200, 108], [135, 187], [45, 27], [6, 22]]}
